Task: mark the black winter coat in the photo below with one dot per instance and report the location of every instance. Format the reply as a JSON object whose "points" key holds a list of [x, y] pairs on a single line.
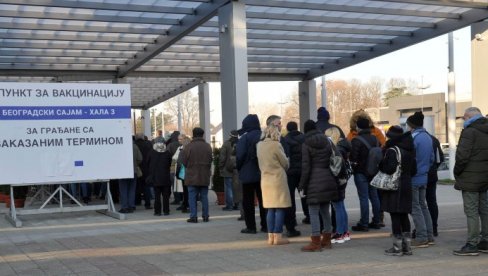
{"points": [[399, 201], [471, 169], [145, 147], [359, 151], [317, 180], [294, 140], [159, 164]]}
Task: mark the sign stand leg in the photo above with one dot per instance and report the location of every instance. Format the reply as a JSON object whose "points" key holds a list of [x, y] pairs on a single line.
{"points": [[111, 211], [11, 216]]}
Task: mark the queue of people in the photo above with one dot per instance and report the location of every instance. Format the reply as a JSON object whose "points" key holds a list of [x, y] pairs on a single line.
{"points": [[265, 166]]}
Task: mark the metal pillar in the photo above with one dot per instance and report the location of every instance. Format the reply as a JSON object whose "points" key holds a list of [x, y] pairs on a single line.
{"points": [[323, 93], [179, 115], [204, 109], [479, 67], [233, 65], [146, 122], [451, 107], [307, 101]]}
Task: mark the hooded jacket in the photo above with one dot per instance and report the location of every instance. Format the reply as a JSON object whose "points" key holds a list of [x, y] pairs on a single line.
{"points": [[399, 201], [246, 153], [294, 140], [471, 169], [317, 180], [227, 160], [424, 156]]}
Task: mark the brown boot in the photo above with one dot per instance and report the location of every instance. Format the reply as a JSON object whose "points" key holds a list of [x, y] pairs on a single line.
{"points": [[313, 246], [270, 238], [325, 243], [279, 240]]}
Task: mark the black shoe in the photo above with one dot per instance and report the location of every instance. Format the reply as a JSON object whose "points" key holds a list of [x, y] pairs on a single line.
{"points": [[248, 231], [235, 207], [306, 220], [132, 209], [240, 218], [124, 211], [374, 225], [148, 207], [185, 210], [157, 214], [205, 219], [180, 208], [414, 233], [359, 228], [264, 229], [467, 250], [192, 220], [166, 213], [293, 233], [435, 233], [227, 209], [483, 246], [175, 203]]}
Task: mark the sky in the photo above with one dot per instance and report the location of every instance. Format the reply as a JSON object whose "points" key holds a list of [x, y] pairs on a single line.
{"points": [[426, 63]]}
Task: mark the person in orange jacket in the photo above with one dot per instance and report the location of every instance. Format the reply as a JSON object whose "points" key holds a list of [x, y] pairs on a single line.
{"points": [[374, 130]]}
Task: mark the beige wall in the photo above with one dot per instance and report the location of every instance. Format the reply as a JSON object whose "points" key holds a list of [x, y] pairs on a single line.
{"points": [[479, 66], [433, 105]]}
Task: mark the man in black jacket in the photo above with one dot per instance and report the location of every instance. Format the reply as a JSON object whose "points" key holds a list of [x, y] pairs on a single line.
{"points": [[293, 140], [472, 180]]}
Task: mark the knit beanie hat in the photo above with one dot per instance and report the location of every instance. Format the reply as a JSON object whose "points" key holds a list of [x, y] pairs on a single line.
{"points": [[234, 133], [323, 114], [416, 120], [363, 123], [394, 131], [309, 125]]}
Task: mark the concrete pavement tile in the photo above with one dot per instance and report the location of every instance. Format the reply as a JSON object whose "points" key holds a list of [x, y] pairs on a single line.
{"points": [[92, 273]]}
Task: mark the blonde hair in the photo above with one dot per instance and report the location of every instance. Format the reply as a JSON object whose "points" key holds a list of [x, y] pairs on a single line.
{"points": [[186, 139], [271, 132], [334, 134]]}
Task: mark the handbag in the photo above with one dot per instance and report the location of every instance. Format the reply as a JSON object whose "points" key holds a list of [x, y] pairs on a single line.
{"points": [[181, 173], [389, 182], [335, 161]]}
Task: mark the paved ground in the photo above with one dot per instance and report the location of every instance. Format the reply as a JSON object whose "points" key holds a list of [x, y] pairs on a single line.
{"points": [[93, 244]]}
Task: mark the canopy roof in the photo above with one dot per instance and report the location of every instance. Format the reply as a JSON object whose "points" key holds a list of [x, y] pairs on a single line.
{"points": [[163, 48]]}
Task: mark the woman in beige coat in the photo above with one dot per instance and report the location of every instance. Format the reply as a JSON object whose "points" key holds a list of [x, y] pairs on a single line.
{"points": [[273, 164]]}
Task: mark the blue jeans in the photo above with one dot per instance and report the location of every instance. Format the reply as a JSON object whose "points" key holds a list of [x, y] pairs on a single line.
{"points": [[127, 189], [275, 220], [341, 216], [365, 191], [229, 196], [322, 210], [420, 214], [193, 192]]}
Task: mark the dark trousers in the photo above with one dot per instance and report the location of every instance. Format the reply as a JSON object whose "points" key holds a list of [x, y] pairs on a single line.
{"points": [[165, 192], [143, 191], [185, 196], [305, 207], [248, 192], [430, 196], [290, 213], [400, 223]]}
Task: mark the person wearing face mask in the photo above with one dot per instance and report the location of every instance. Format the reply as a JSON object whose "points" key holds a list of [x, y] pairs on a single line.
{"points": [[472, 180]]}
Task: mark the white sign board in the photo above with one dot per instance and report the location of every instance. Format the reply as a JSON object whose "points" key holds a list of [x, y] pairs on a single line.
{"points": [[64, 132]]}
